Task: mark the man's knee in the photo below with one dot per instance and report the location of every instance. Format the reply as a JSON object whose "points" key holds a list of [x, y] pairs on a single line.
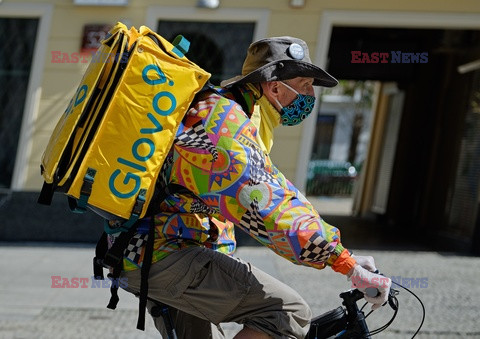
{"points": [[300, 318], [304, 311]]}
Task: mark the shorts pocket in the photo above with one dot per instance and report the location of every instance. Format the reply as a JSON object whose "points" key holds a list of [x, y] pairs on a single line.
{"points": [[216, 290], [186, 275]]}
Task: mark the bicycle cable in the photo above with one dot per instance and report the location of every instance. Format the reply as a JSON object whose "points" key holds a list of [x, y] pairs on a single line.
{"points": [[385, 326], [421, 303], [395, 307]]}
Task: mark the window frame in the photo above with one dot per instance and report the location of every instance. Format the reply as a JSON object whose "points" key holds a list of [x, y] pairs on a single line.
{"points": [[259, 16]]}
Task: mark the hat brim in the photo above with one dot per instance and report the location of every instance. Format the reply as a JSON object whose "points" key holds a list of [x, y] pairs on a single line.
{"points": [[284, 70]]}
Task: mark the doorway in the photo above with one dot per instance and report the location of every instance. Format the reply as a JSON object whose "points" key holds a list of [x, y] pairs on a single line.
{"points": [[419, 117], [340, 144]]}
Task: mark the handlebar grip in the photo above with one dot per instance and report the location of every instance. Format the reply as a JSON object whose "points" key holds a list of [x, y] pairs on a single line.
{"points": [[372, 292]]}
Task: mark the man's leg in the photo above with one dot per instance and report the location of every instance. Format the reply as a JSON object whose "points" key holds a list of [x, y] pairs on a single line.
{"points": [[186, 325], [218, 288], [271, 302], [248, 333]]}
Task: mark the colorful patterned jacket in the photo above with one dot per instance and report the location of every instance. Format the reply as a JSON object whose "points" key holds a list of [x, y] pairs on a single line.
{"points": [[231, 182]]}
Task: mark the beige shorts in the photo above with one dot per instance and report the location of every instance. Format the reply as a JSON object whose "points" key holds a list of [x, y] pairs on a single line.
{"points": [[216, 288]]}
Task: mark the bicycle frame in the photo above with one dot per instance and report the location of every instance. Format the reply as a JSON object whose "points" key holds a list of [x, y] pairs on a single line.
{"points": [[347, 321], [343, 322], [162, 310]]}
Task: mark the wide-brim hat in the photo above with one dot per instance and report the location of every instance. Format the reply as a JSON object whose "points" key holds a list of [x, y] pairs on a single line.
{"points": [[279, 58]]}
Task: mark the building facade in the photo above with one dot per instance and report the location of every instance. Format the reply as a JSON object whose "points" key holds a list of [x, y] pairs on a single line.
{"points": [[420, 171]]}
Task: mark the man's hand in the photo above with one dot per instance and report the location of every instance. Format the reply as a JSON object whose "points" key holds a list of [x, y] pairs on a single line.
{"points": [[366, 262], [363, 279]]}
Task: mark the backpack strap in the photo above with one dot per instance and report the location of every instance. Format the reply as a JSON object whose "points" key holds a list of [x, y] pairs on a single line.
{"points": [[85, 192], [100, 251], [239, 98], [46, 194], [144, 274], [113, 258]]}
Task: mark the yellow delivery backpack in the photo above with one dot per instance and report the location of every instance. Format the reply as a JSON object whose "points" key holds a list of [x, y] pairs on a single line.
{"points": [[107, 150]]}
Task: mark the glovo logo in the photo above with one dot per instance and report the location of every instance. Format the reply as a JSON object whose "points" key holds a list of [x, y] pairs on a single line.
{"points": [[80, 95], [143, 148]]}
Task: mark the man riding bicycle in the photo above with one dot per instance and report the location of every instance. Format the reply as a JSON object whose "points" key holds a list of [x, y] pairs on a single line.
{"points": [[218, 175]]}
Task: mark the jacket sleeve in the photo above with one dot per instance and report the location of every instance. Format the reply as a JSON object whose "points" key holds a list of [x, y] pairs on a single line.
{"points": [[218, 158]]}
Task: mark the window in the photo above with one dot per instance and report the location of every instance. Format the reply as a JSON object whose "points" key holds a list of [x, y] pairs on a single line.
{"points": [[211, 44], [323, 136], [16, 57]]}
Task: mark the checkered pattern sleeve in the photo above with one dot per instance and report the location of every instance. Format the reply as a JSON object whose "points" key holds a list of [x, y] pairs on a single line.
{"points": [[218, 157]]}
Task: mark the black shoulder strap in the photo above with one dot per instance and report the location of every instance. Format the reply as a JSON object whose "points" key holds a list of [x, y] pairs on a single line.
{"points": [[161, 194], [144, 274], [113, 257], [237, 94], [46, 194], [239, 99]]}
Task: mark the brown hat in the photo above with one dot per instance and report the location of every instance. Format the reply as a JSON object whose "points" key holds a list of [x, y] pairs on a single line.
{"points": [[279, 58]]}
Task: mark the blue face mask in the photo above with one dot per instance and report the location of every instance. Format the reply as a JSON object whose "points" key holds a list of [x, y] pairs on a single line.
{"points": [[298, 110]]}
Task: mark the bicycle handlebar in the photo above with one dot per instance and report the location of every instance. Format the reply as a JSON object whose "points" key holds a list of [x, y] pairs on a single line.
{"points": [[349, 321], [355, 317], [374, 292]]}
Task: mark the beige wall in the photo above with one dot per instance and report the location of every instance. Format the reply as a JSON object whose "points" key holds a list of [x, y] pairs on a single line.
{"points": [[57, 82]]}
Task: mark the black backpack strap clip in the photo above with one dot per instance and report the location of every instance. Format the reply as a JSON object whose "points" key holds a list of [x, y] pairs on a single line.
{"points": [[113, 259]]}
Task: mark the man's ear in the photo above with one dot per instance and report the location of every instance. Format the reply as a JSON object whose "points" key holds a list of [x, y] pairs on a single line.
{"points": [[271, 92], [270, 88]]}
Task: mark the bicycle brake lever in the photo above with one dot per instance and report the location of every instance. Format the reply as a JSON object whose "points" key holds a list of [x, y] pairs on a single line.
{"points": [[391, 298]]}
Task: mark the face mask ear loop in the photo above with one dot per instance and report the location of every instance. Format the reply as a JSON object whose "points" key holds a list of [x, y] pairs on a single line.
{"points": [[290, 88], [279, 104]]}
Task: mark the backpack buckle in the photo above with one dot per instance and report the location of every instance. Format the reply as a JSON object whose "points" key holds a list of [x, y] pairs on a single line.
{"points": [[111, 260]]}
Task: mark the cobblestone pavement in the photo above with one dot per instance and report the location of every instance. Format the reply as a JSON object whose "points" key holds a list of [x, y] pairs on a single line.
{"points": [[30, 308]]}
